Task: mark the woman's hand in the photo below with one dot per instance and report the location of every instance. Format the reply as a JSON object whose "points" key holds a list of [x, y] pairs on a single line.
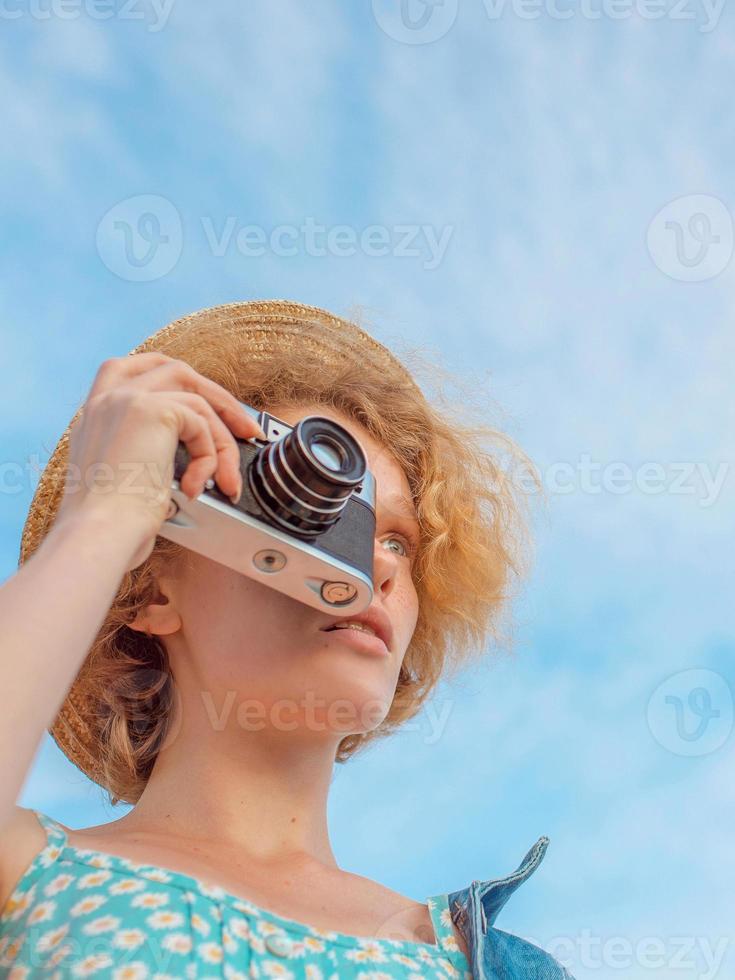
{"points": [[122, 447]]}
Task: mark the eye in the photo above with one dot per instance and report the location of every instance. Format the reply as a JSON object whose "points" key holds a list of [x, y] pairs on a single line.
{"points": [[410, 547]]}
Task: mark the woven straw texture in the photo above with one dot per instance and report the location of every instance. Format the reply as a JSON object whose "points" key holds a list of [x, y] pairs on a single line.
{"points": [[259, 327]]}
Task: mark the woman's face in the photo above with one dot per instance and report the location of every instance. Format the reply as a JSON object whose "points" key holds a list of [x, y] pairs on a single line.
{"points": [[256, 658]]}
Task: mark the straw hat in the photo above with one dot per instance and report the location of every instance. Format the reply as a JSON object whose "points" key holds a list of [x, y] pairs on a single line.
{"points": [[263, 326]]}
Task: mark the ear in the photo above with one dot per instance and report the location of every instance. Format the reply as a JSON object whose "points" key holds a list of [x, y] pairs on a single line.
{"points": [[159, 618]]}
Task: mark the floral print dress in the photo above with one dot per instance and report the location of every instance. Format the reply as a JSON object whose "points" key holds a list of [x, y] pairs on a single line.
{"points": [[81, 913]]}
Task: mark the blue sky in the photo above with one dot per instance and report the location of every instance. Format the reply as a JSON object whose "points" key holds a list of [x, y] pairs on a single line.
{"points": [[551, 184]]}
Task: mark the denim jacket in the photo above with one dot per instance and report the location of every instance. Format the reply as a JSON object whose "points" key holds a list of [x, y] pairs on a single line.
{"points": [[495, 954]]}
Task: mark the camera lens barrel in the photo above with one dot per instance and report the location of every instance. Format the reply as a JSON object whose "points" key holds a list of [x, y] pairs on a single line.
{"points": [[304, 480]]}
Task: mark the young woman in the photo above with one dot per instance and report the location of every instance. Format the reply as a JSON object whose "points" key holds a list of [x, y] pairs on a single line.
{"points": [[217, 705]]}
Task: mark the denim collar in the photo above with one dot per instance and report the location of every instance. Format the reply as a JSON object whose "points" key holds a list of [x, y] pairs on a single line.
{"points": [[475, 908]]}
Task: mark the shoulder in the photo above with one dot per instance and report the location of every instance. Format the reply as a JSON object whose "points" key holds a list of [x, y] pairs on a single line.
{"points": [[21, 839], [396, 916]]}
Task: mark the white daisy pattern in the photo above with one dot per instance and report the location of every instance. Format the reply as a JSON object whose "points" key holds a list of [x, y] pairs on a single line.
{"points": [[129, 938], [126, 886], [77, 912], [51, 939], [131, 971], [105, 923], [165, 919], [177, 942], [58, 884], [88, 904]]}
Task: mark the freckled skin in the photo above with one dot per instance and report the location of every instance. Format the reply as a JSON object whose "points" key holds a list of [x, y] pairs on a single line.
{"points": [[228, 632]]}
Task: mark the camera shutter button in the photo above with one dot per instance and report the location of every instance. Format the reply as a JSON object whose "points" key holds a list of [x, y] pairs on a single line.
{"points": [[337, 593]]}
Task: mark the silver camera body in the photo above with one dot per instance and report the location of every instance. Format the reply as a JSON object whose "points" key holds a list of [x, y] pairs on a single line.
{"points": [[305, 522]]}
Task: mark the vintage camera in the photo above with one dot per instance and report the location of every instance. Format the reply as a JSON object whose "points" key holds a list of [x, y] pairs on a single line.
{"points": [[305, 523]]}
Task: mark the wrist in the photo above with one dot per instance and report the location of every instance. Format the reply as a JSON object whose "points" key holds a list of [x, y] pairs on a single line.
{"points": [[95, 535]]}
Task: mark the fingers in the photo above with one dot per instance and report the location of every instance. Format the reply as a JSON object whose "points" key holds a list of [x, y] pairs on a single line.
{"points": [[115, 370], [155, 371], [212, 447]]}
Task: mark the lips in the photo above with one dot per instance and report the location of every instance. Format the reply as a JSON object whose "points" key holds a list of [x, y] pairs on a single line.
{"points": [[374, 617], [360, 640]]}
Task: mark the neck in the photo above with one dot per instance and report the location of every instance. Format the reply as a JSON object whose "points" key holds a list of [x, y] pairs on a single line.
{"points": [[262, 792]]}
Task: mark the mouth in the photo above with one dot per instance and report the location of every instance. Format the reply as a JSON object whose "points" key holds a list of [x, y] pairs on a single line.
{"points": [[363, 640], [373, 621]]}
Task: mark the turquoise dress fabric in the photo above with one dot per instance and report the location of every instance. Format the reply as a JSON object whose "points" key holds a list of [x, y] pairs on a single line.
{"points": [[83, 913]]}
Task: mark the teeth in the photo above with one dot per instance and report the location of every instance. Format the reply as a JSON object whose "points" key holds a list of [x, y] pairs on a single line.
{"points": [[354, 626]]}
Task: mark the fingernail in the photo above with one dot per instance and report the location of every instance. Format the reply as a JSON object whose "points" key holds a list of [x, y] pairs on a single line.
{"points": [[235, 498]]}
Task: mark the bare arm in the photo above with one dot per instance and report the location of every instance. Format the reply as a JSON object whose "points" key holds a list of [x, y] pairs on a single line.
{"points": [[51, 610], [50, 613]]}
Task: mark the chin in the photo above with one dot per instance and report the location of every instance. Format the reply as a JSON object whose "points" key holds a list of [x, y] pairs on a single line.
{"points": [[368, 707]]}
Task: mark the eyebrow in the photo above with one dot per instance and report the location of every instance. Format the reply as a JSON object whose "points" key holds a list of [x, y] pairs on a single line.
{"points": [[401, 505]]}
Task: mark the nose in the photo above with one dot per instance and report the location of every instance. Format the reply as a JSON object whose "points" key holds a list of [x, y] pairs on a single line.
{"points": [[385, 569]]}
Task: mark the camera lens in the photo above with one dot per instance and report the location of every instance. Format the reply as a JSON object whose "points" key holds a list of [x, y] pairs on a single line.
{"points": [[328, 453], [304, 480]]}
